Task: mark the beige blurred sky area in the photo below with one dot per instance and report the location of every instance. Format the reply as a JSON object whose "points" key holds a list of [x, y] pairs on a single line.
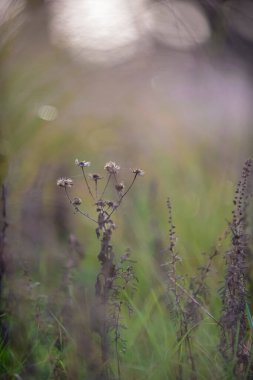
{"points": [[147, 63]]}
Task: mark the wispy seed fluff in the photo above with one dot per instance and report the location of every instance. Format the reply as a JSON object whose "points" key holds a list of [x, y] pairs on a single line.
{"points": [[82, 164], [64, 182], [112, 167], [138, 171]]}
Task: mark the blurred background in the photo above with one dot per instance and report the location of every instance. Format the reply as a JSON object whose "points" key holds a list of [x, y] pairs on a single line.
{"points": [[164, 85], [159, 84]]}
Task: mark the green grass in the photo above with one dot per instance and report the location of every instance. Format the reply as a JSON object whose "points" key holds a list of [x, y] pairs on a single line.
{"points": [[201, 206]]}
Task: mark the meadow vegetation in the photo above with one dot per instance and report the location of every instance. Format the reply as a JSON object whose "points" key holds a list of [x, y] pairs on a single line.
{"points": [[130, 298]]}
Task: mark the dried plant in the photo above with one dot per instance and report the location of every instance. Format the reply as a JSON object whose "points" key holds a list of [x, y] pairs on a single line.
{"points": [[4, 226], [108, 290], [198, 285], [186, 305], [233, 343], [124, 281], [178, 296]]}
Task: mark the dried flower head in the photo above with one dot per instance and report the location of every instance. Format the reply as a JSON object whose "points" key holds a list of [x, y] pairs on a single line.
{"points": [[101, 203], [112, 204], [82, 164], [138, 172], [64, 182], [119, 187], [77, 201], [95, 176], [112, 167]]}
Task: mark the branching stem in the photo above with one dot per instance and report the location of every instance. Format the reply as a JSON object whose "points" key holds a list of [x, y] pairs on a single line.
{"points": [[87, 184]]}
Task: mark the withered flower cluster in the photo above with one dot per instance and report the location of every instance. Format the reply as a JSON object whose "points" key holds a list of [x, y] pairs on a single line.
{"points": [[111, 274], [104, 208], [185, 303], [233, 340]]}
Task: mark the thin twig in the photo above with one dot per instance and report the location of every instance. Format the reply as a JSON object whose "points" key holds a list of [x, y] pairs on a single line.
{"points": [[129, 188], [194, 300], [107, 183], [131, 185], [3, 233], [77, 209], [87, 184], [85, 214], [96, 189], [116, 342]]}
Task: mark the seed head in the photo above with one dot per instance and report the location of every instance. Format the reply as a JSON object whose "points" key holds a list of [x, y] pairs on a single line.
{"points": [[112, 167], [82, 164], [101, 203], [139, 172], [77, 201], [64, 182], [95, 176], [112, 204], [119, 187]]}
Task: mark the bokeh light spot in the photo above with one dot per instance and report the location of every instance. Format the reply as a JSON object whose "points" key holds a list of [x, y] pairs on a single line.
{"points": [[178, 24], [47, 113], [96, 30]]}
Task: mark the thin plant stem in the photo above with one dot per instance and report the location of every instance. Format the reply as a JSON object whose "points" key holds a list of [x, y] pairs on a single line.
{"points": [[77, 209], [3, 230], [116, 343], [68, 195], [115, 177], [129, 188], [87, 184], [194, 300], [107, 183], [116, 182], [96, 189], [190, 355], [207, 268], [2, 246], [85, 214]]}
